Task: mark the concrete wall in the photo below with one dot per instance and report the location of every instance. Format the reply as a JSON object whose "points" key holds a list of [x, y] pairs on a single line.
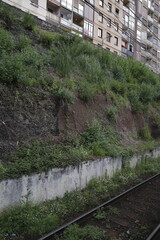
{"points": [[56, 182], [26, 6]]}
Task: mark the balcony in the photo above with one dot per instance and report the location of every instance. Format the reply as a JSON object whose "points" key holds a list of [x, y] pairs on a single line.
{"points": [[150, 20], [77, 28], [150, 8], [148, 55], [66, 22], [149, 44], [126, 2], [52, 17], [124, 50], [125, 37], [54, 2], [78, 11], [149, 32]]}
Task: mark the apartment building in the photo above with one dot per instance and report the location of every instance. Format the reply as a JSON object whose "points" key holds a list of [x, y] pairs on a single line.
{"points": [[147, 33], [130, 28], [108, 24]]}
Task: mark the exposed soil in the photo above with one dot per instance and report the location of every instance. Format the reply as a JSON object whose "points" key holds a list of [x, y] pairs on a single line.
{"points": [[30, 113]]}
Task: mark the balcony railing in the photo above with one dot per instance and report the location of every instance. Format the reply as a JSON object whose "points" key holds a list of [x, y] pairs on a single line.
{"points": [[66, 22], [124, 36], [52, 17], [124, 50], [149, 43], [76, 27], [79, 11], [148, 55], [55, 2], [150, 19], [71, 25]]}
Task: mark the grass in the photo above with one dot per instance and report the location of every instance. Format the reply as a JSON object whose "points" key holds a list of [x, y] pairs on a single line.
{"points": [[28, 221], [70, 67]]}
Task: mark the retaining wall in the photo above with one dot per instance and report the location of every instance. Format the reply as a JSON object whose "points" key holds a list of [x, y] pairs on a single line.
{"points": [[56, 182]]}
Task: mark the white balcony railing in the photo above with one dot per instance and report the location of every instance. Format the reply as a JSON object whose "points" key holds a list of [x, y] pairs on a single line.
{"points": [[76, 27], [52, 17], [124, 36], [150, 19], [66, 22], [79, 11], [69, 24]]}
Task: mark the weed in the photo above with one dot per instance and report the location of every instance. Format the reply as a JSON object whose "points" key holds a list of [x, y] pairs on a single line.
{"points": [[111, 112], [28, 21], [145, 133]]}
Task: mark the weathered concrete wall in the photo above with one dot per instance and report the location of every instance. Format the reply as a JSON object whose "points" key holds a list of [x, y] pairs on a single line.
{"points": [[27, 6], [56, 182]]}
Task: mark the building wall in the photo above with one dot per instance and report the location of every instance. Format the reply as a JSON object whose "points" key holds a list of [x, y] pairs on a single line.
{"points": [[137, 38], [27, 6], [106, 22]]}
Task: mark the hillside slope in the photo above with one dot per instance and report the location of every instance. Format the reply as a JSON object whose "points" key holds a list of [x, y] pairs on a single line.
{"points": [[64, 100]]}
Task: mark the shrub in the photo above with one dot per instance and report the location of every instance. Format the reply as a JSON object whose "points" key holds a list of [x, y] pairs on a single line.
{"points": [[146, 93], [61, 60], [6, 41], [7, 15], [145, 133], [111, 112], [45, 37], [11, 69], [23, 42], [28, 21], [86, 90]]}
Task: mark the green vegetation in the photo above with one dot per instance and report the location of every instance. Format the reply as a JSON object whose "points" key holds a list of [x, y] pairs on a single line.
{"points": [[69, 67], [28, 221]]}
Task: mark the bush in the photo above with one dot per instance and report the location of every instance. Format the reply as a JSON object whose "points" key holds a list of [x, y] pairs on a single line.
{"points": [[145, 133], [11, 69], [111, 112], [146, 93], [45, 37], [86, 90], [23, 42], [7, 15], [6, 41], [28, 21]]}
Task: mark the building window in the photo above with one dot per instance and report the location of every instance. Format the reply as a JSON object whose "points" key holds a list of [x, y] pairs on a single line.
{"points": [[109, 7], [130, 48], [117, 12], [108, 22], [100, 32], [100, 17], [115, 52], [117, 1], [101, 3], [34, 2], [116, 26], [108, 49], [88, 28], [116, 41], [108, 37]]}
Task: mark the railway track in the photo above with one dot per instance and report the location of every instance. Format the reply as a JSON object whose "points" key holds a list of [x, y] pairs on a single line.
{"points": [[155, 235], [133, 209]]}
